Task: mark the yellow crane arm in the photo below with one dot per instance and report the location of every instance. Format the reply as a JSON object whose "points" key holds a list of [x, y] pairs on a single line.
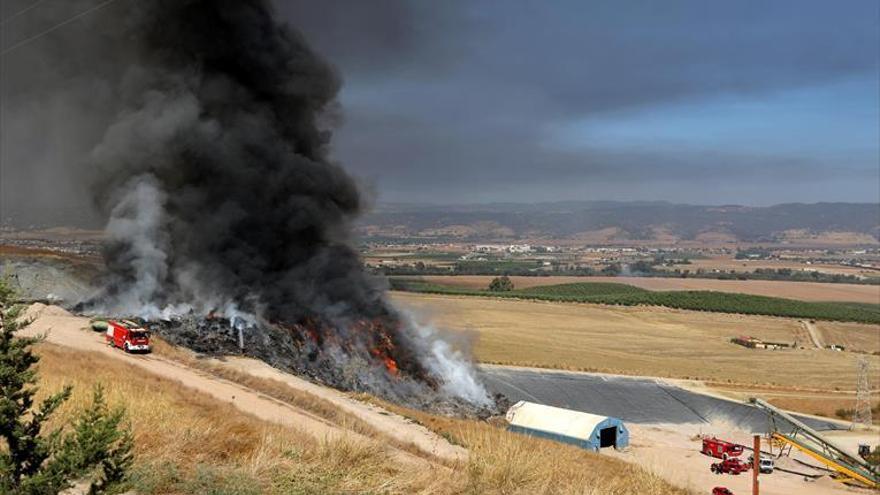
{"points": [[831, 463]]}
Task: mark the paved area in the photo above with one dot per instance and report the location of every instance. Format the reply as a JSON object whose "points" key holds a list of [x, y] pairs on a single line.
{"points": [[637, 400]]}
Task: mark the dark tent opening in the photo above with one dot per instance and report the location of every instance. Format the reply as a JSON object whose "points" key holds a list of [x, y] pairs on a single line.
{"points": [[608, 437]]}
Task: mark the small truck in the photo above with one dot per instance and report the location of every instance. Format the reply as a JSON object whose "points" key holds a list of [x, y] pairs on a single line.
{"points": [[721, 449], [729, 466], [128, 335], [766, 464]]}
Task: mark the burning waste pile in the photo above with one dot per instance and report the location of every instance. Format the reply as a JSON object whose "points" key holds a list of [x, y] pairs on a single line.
{"points": [[229, 225]]}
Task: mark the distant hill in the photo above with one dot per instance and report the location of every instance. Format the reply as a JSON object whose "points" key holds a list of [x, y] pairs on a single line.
{"points": [[606, 221]]}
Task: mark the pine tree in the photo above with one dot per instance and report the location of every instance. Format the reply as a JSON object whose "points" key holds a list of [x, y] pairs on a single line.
{"points": [[33, 462], [22, 466], [98, 442]]}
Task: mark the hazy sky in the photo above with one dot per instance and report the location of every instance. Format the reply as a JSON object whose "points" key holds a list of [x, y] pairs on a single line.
{"points": [[755, 102], [703, 101]]}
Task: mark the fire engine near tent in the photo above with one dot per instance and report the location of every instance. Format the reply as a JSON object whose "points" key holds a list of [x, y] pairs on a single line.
{"points": [[588, 431], [128, 335]]}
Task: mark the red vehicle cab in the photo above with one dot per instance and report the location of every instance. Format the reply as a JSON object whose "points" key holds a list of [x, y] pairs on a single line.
{"points": [[729, 466], [721, 449], [128, 335], [720, 490]]}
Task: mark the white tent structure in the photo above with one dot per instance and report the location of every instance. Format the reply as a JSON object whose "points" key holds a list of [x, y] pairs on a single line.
{"points": [[588, 431]]}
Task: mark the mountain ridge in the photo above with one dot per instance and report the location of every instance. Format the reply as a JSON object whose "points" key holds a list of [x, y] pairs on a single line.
{"points": [[639, 220]]}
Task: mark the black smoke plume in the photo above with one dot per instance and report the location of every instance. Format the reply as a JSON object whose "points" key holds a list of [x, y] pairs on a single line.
{"points": [[223, 202]]}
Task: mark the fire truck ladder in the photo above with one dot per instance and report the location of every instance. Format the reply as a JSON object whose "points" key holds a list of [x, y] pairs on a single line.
{"points": [[807, 440]]}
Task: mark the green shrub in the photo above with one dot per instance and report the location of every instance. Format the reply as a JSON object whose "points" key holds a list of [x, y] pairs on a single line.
{"points": [[501, 284]]}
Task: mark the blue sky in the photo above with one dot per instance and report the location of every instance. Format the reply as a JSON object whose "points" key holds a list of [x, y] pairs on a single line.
{"points": [[836, 122]]}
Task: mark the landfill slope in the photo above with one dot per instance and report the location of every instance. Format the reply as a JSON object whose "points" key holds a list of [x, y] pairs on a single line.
{"points": [[637, 400]]}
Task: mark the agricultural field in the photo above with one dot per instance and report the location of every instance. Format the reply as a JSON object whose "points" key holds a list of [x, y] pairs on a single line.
{"points": [[852, 335], [627, 295], [727, 264], [647, 341], [803, 291]]}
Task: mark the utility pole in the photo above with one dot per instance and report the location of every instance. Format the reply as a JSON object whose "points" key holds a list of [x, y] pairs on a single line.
{"points": [[756, 464], [862, 413]]}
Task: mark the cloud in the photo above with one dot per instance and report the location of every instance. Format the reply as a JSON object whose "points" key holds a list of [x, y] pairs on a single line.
{"points": [[470, 117], [458, 99]]}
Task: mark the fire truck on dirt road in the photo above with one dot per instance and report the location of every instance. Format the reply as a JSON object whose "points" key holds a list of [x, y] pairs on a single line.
{"points": [[721, 449], [128, 335]]}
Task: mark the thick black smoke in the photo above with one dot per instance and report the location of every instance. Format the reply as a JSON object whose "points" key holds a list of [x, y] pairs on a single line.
{"points": [[223, 117], [222, 199]]}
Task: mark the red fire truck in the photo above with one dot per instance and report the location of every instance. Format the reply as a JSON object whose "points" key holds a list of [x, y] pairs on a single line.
{"points": [[128, 335], [721, 449]]}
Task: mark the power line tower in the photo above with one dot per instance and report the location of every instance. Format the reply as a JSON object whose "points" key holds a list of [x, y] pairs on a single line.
{"points": [[862, 413]]}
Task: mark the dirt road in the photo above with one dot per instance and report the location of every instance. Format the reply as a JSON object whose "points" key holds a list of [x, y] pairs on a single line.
{"points": [[70, 331], [815, 336]]}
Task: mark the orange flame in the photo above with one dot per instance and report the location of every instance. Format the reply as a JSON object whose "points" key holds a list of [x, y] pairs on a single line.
{"points": [[391, 365], [382, 346]]}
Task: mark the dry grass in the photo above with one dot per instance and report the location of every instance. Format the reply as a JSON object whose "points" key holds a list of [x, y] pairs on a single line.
{"points": [[272, 388], [804, 291], [502, 462], [190, 443], [647, 341], [853, 336], [284, 393]]}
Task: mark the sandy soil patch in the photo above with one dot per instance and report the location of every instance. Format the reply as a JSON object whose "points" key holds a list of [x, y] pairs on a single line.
{"points": [[673, 452]]}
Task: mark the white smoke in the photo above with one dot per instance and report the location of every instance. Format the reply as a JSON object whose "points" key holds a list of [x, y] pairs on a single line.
{"points": [[453, 369], [136, 221]]}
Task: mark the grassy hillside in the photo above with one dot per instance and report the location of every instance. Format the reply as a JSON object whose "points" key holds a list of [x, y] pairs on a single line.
{"points": [[627, 295], [190, 443]]}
